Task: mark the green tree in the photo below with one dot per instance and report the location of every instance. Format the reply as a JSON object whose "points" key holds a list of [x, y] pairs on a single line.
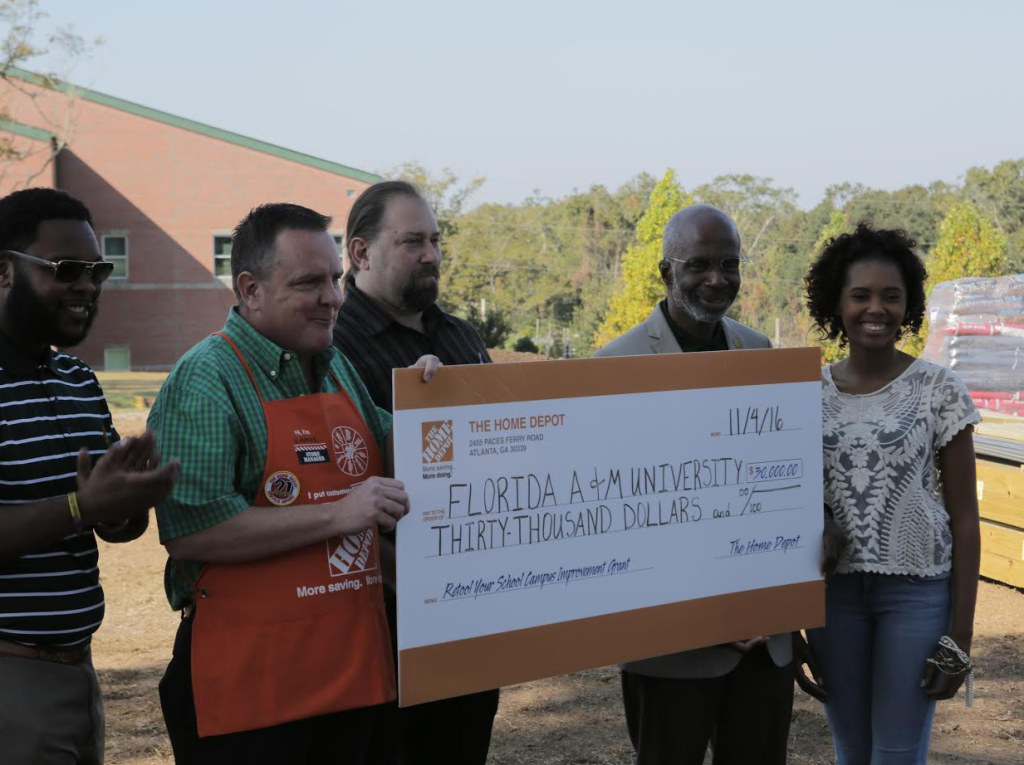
{"points": [[910, 208], [838, 223], [968, 245], [641, 287], [492, 327], [525, 344], [548, 264], [517, 258], [445, 193], [769, 224], [606, 226], [753, 203], [999, 196]]}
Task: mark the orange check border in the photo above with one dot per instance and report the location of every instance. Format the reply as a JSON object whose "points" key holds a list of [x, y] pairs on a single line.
{"points": [[450, 669]]}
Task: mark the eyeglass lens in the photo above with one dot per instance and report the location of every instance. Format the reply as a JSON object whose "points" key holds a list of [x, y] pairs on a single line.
{"points": [[70, 271], [703, 265]]}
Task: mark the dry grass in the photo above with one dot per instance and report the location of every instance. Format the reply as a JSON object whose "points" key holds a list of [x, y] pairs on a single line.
{"points": [[130, 391]]}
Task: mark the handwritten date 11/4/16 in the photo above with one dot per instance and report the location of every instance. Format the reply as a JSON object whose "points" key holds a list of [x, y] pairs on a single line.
{"points": [[754, 420]]}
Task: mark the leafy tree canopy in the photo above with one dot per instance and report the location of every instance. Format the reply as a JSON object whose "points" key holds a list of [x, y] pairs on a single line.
{"points": [[641, 287]]}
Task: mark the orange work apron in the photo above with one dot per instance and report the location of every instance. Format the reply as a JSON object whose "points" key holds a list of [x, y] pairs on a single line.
{"points": [[303, 633]]}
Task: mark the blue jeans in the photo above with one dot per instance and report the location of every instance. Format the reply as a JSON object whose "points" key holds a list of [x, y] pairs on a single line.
{"points": [[879, 629]]}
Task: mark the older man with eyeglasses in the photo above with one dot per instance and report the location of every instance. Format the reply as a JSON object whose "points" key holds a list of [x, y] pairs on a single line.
{"points": [[65, 478], [738, 697]]}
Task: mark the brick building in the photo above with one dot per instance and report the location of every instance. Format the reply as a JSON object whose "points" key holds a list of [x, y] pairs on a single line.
{"points": [[164, 193]]}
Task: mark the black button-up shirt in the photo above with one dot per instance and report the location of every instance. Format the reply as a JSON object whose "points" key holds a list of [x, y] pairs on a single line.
{"points": [[376, 344]]}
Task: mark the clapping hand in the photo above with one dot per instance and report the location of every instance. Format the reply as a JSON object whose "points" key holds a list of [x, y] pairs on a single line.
{"points": [[124, 482]]}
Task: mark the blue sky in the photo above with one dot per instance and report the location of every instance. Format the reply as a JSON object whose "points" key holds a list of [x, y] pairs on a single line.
{"points": [[551, 96]]}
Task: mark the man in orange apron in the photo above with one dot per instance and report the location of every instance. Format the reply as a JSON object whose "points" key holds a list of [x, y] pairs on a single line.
{"points": [[283, 653]]}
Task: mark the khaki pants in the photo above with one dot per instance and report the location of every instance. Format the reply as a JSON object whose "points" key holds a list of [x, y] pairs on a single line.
{"points": [[50, 713]]}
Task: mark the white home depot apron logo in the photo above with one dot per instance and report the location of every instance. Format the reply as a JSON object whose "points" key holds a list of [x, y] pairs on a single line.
{"points": [[351, 554], [350, 452]]}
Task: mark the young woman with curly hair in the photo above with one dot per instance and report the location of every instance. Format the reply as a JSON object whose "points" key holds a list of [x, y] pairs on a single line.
{"points": [[900, 484]]}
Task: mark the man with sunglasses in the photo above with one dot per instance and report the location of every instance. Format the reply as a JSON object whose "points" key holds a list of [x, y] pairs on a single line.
{"points": [[739, 696], [65, 478]]}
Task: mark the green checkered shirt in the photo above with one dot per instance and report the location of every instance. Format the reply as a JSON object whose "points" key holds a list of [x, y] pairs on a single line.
{"points": [[208, 416]]}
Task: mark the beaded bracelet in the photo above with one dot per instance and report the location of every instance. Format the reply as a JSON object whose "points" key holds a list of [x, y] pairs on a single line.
{"points": [[950, 659]]}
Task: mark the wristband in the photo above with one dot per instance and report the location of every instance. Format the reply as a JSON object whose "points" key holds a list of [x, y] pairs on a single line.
{"points": [[76, 512]]}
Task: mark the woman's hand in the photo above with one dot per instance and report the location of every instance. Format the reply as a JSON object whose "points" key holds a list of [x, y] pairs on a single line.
{"points": [[802, 654], [944, 685], [833, 542]]}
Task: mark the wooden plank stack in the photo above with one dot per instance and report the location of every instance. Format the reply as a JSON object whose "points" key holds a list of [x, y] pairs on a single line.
{"points": [[999, 448]]}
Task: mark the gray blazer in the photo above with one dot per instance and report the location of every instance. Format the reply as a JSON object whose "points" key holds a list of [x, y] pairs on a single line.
{"points": [[655, 336]]}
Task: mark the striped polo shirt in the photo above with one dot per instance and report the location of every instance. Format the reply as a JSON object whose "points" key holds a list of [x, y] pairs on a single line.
{"points": [[49, 409]]}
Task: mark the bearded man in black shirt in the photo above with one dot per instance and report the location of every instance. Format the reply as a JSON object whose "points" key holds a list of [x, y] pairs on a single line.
{"points": [[389, 318]]}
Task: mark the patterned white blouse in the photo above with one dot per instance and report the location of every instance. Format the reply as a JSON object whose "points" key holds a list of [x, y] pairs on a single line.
{"points": [[881, 468]]}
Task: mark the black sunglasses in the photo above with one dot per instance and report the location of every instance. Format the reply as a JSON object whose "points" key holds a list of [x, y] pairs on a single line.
{"points": [[70, 271]]}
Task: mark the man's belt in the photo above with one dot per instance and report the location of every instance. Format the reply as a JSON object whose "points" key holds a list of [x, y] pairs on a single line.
{"points": [[59, 655]]}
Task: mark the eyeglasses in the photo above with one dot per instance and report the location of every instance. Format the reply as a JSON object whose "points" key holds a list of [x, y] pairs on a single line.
{"points": [[699, 266], [70, 271]]}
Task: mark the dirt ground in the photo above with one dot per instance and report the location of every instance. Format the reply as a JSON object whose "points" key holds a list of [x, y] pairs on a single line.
{"points": [[571, 719]]}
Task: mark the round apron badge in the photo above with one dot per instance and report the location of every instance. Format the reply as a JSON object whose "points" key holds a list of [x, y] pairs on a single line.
{"points": [[350, 452], [282, 488]]}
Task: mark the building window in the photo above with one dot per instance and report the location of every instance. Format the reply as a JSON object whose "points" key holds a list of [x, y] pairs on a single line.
{"points": [[222, 253], [115, 249], [117, 358], [222, 256]]}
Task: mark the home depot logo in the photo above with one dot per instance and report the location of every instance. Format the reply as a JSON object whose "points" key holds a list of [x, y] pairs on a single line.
{"points": [[438, 441], [351, 554]]}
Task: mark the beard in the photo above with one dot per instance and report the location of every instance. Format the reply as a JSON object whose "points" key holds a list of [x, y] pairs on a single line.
{"points": [[24, 309], [688, 301], [418, 296]]}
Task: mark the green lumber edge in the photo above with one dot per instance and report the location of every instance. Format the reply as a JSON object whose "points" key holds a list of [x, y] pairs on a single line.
{"points": [[187, 124]]}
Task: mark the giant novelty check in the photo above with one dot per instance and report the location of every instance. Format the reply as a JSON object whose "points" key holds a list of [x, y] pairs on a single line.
{"points": [[572, 514]]}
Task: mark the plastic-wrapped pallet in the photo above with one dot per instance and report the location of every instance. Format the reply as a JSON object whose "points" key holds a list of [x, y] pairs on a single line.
{"points": [[976, 327]]}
